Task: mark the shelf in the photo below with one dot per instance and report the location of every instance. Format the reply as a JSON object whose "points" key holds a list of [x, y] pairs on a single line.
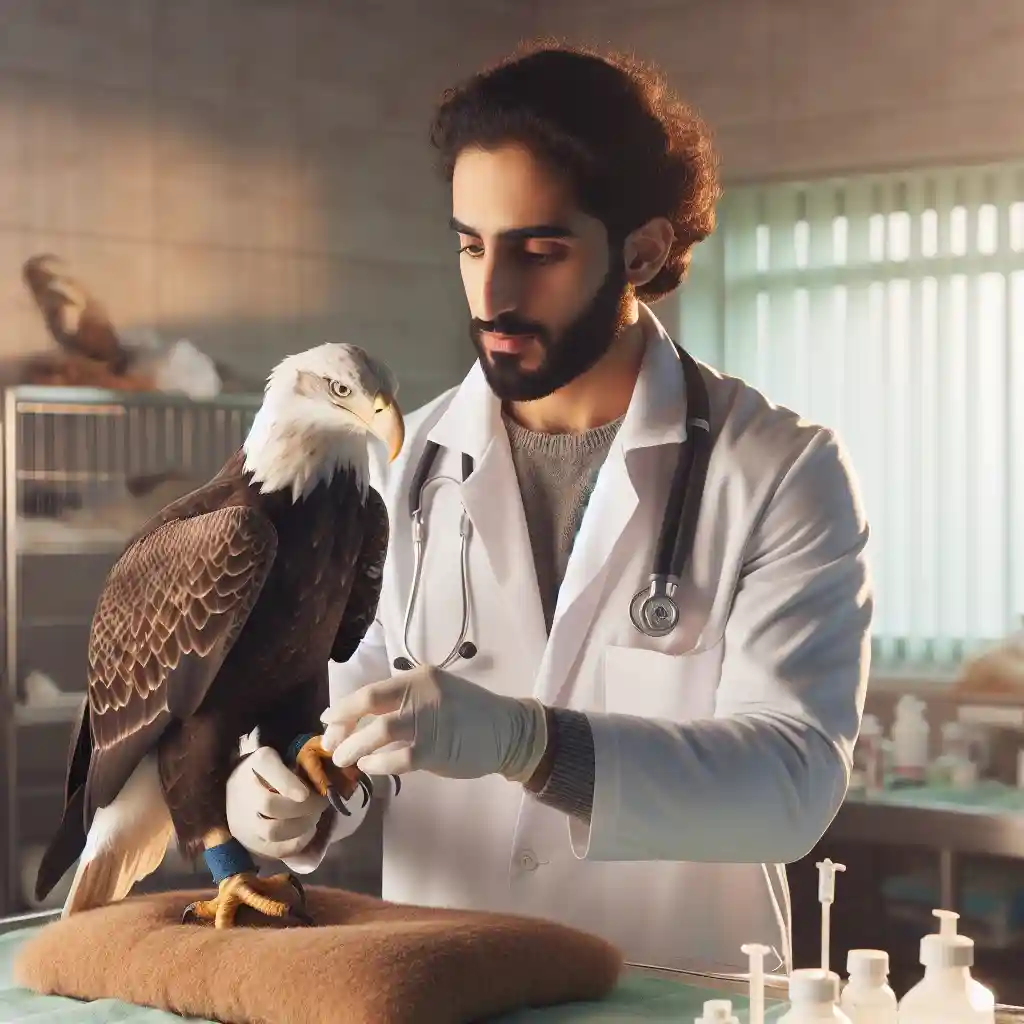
{"points": [[55, 622], [42, 536], [99, 546], [47, 714]]}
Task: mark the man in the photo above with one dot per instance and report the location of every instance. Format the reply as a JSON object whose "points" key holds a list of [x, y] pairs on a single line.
{"points": [[647, 788]]}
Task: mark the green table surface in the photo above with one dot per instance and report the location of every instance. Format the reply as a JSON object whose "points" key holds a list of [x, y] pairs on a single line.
{"points": [[640, 996], [989, 795]]}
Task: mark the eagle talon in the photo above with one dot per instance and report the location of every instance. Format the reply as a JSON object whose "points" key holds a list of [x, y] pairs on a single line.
{"points": [[302, 916], [366, 785], [259, 893], [335, 800], [297, 886]]}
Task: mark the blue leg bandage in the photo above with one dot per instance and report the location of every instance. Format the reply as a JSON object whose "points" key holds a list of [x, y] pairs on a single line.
{"points": [[296, 745], [227, 859]]}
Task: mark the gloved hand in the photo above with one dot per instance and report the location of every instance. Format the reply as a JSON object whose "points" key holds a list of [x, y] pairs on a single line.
{"points": [[277, 825], [430, 719]]}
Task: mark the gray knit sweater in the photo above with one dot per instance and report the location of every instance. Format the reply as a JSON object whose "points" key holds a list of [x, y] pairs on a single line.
{"points": [[556, 474]]}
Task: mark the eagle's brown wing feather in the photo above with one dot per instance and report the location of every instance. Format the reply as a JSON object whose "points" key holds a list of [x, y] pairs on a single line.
{"points": [[168, 615], [362, 603]]}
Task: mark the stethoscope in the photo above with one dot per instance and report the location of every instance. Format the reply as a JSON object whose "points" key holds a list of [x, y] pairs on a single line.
{"points": [[654, 609]]}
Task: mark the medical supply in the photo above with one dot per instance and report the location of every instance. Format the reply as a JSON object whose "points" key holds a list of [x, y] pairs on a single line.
{"points": [[654, 609], [947, 994], [867, 997], [954, 766], [717, 1011], [869, 757], [910, 733], [964, 775], [813, 995], [955, 741], [756, 953], [826, 897]]}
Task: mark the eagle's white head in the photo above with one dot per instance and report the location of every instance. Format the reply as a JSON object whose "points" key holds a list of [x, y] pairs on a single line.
{"points": [[318, 412]]}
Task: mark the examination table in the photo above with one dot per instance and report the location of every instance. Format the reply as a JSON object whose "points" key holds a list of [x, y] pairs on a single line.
{"points": [[643, 994]]}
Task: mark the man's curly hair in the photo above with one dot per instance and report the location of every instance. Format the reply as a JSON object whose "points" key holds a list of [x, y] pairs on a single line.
{"points": [[630, 148]]}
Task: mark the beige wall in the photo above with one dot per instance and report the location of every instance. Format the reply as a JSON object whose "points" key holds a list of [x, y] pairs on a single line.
{"points": [[252, 174], [810, 87]]}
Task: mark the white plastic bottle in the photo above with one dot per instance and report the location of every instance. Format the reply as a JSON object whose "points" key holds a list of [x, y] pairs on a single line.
{"points": [[718, 1011], [868, 756], [813, 995], [954, 767], [867, 997], [910, 734], [947, 994]]}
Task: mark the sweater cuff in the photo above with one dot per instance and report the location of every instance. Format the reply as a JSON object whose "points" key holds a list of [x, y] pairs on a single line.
{"points": [[570, 786]]}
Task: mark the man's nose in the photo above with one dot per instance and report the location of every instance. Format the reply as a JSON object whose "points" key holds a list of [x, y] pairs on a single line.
{"points": [[499, 291]]}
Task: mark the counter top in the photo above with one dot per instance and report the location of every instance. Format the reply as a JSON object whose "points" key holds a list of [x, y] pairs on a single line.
{"points": [[654, 994], [986, 820]]}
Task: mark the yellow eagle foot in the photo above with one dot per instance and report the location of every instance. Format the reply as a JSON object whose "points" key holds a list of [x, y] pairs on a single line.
{"points": [[250, 890], [337, 784]]}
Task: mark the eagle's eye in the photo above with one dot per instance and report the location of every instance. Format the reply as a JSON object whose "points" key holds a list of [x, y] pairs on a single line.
{"points": [[339, 390]]}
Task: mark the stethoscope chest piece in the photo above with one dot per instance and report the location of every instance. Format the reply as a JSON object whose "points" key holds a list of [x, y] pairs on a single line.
{"points": [[654, 610]]}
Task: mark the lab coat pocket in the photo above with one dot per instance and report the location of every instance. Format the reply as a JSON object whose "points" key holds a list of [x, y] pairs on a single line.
{"points": [[652, 684]]}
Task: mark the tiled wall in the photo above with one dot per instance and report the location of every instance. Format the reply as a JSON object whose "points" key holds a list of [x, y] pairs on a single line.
{"points": [[255, 174], [252, 174], [804, 87]]}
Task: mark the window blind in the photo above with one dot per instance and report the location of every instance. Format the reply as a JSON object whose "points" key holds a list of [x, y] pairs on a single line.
{"points": [[891, 308]]}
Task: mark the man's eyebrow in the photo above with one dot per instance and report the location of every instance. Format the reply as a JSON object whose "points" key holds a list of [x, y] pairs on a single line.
{"points": [[518, 234]]}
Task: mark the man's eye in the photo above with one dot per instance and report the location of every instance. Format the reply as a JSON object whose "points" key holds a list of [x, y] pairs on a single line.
{"points": [[531, 256], [472, 250]]}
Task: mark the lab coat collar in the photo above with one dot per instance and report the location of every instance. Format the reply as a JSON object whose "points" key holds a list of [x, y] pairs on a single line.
{"points": [[656, 414]]}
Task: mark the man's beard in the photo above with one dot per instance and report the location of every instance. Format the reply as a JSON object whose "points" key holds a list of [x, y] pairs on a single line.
{"points": [[576, 349]]}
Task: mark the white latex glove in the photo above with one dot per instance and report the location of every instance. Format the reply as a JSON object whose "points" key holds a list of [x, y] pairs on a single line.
{"points": [[431, 719], [277, 825]]}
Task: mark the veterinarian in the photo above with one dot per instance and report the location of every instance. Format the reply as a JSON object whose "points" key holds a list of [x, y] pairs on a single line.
{"points": [[628, 734]]}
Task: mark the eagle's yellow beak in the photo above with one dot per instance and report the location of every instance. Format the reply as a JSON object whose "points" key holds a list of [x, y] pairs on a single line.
{"points": [[388, 424]]}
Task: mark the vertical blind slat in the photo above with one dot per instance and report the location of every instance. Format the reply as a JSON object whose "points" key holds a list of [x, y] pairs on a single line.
{"points": [[891, 307]]}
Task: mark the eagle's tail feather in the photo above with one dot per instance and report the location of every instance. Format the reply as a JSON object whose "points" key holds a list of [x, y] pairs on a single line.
{"points": [[127, 841], [65, 847]]}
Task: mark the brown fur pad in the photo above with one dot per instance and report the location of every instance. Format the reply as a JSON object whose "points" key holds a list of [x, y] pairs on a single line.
{"points": [[365, 961]]}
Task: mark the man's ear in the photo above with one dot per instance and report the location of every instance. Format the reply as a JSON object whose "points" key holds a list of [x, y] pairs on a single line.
{"points": [[646, 249]]}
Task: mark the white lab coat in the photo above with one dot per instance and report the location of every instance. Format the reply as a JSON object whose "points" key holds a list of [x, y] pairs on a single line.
{"points": [[722, 750]]}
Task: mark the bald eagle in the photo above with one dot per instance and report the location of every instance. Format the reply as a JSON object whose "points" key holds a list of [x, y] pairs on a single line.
{"points": [[220, 618]]}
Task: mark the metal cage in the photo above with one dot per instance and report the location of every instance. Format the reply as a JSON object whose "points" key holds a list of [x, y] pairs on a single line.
{"points": [[66, 450]]}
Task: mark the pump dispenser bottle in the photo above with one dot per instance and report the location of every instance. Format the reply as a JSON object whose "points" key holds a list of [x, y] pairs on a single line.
{"points": [[947, 994]]}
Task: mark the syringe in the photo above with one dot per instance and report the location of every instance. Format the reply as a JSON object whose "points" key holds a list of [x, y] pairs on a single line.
{"points": [[756, 953], [826, 897]]}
